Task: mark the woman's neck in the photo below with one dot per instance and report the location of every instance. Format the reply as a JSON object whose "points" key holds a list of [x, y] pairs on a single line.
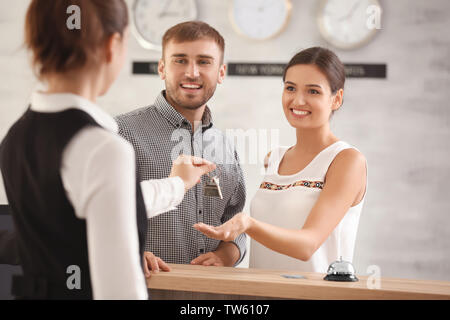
{"points": [[312, 141], [84, 84]]}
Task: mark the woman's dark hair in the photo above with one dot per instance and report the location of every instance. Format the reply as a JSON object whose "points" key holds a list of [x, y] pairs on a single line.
{"points": [[326, 60], [57, 48]]}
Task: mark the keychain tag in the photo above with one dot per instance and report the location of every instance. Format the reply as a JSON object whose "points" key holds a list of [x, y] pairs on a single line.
{"points": [[212, 188]]}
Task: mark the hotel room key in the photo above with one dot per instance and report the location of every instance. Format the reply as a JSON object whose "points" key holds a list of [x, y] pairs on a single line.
{"points": [[212, 188]]}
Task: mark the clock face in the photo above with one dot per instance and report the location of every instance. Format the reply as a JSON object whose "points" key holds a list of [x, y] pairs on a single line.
{"points": [[260, 19], [153, 17], [344, 23]]}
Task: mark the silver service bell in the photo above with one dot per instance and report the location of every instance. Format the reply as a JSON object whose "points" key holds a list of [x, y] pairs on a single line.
{"points": [[341, 271]]}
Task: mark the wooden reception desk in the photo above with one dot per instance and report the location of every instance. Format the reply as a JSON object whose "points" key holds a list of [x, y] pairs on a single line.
{"points": [[199, 282]]}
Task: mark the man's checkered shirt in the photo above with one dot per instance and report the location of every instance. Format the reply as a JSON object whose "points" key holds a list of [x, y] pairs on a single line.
{"points": [[159, 134]]}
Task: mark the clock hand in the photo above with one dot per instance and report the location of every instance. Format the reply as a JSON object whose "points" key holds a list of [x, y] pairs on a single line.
{"points": [[168, 14], [352, 10], [162, 12], [355, 6]]}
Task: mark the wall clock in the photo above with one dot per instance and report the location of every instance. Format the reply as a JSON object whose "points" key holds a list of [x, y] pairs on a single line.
{"points": [[346, 24], [260, 19], [151, 19]]}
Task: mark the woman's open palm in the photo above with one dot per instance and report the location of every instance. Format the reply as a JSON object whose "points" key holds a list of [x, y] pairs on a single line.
{"points": [[228, 231]]}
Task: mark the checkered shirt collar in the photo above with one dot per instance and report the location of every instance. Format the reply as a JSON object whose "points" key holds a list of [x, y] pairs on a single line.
{"points": [[174, 117]]}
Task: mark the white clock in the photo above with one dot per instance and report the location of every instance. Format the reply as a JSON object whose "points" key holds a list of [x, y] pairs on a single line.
{"points": [[348, 24], [260, 19], [152, 18]]}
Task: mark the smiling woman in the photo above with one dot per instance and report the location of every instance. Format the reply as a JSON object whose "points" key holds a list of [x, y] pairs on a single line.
{"points": [[307, 208], [328, 64]]}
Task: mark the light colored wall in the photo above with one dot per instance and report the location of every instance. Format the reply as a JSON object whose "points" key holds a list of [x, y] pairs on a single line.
{"points": [[401, 123]]}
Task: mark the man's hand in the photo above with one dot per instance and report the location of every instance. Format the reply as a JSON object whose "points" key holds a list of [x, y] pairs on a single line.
{"points": [[153, 264], [209, 259], [226, 255]]}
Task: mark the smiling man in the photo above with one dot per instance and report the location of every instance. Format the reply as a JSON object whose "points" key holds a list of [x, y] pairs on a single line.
{"points": [[179, 121]]}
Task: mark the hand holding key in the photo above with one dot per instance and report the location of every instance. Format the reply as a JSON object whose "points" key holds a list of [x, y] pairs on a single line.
{"points": [[190, 169]]}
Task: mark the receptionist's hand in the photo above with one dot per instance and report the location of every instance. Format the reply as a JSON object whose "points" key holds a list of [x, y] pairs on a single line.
{"points": [[190, 169]]}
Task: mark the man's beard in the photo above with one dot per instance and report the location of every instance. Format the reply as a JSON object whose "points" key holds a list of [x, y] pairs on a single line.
{"points": [[173, 95]]}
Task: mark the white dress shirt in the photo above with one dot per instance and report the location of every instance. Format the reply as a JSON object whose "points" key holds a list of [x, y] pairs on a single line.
{"points": [[99, 176]]}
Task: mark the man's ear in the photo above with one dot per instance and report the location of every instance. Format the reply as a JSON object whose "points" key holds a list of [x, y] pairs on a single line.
{"points": [[222, 73], [337, 100], [161, 69]]}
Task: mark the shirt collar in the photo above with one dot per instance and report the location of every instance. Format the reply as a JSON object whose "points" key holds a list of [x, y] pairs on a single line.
{"points": [[174, 117], [57, 102]]}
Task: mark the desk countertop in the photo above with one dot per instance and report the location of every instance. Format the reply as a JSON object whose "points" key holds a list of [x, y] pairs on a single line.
{"points": [[271, 283]]}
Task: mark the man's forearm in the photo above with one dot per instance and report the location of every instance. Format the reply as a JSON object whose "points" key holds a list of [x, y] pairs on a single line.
{"points": [[229, 252]]}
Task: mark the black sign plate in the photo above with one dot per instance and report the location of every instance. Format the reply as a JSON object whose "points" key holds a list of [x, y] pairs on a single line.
{"points": [[352, 70], [145, 67]]}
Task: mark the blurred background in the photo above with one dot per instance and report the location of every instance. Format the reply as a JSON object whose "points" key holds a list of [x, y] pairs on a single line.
{"points": [[400, 122]]}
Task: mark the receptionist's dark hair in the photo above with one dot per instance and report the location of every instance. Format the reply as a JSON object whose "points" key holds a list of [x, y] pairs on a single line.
{"points": [[57, 48]]}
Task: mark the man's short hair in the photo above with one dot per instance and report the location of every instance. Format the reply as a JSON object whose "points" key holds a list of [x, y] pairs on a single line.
{"points": [[192, 31]]}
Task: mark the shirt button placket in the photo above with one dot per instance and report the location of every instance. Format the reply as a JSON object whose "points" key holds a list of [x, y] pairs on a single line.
{"points": [[197, 151]]}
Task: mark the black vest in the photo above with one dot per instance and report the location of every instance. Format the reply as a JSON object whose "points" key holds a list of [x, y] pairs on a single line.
{"points": [[50, 237]]}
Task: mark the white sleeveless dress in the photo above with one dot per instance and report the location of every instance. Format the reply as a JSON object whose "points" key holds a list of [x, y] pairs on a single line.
{"points": [[286, 201]]}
